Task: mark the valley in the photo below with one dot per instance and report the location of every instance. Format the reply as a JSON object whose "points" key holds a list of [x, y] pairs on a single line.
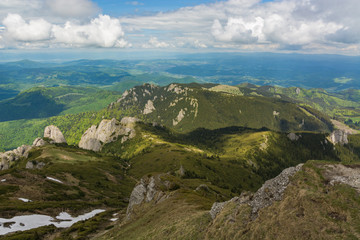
{"points": [[158, 158]]}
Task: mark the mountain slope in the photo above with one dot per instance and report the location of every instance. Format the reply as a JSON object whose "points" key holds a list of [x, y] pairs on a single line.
{"points": [[187, 107], [46, 102]]}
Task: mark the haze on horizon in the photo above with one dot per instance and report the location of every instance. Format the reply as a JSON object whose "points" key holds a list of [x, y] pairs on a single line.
{"points": [[84, 26]]}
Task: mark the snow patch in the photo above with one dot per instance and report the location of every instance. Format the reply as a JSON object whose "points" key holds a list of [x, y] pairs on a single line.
{"points": [[54, 179], [113, 219], [24, 200], [3, 180], [27, 222]]}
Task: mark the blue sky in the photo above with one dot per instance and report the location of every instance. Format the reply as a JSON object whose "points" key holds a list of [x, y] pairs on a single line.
{"points": [[123, 7], [304, 26]]}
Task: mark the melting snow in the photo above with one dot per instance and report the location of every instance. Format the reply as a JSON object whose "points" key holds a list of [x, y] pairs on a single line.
{"points": [[24, 200], [113, 219], [27, 222], [3, 180], [54, 179]]}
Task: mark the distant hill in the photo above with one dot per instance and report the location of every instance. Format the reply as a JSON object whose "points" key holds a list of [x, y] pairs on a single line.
{"points": [[46, 102], [187, 107]]}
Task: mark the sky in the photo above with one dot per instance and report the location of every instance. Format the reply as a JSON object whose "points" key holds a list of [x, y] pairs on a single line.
{"points": [[304, 26]]}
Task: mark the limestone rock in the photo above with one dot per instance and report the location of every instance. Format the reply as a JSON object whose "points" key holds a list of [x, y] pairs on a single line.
{"points": [[272, 190], [339, 137], [13, 155], [216, 208], [54, 134], [149, 107], [34, 165], [38, 142], [108, 131], [144, 191], [179, 117], [293, 137]]}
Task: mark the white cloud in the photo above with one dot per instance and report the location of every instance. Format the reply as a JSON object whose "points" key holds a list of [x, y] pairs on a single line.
{"points": [[155, 43], [309, 25], [19, 30], [72, 8], [102, 31], [295, 24]]}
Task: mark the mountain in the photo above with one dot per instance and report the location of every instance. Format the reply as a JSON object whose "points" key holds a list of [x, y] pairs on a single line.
{"points": [[187, 107], [42, 102], [163, 184]]}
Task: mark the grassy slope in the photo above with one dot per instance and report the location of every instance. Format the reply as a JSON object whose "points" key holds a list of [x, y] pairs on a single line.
{"points": [[227, 160], [90, 181], [216, 110], [311, 208], [256, 112]]}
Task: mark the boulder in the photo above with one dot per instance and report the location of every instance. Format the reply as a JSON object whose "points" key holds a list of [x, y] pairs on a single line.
{"points": [[52, 132], [108, 131]]}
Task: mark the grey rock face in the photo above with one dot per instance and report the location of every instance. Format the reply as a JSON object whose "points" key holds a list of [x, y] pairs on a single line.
{"points": [[54, 134], [108, 131], [293, 137], [13, 155], [216, 209], [145, 191], [38, 142], [34, 165], [339, 137], [341, 174], [272, 190], [149, 107]]}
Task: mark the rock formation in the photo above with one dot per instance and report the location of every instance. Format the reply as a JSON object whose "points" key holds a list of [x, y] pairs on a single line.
{"points": [[11, 156], [38, 142], [145, 191], [272, 190], [293, 137], [108, 131], [149, 107], [339, 137], [52, 132]]}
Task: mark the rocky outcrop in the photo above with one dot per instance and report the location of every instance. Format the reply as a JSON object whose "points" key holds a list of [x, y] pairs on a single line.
{"points": [[52, 132], [108, 131], [150, 190], [293, 137], [38, 142], [8, 157], [34, 165], [342, 174], [179, 117], [272, 190], [339, 137], [145, 191], [149, 107]]}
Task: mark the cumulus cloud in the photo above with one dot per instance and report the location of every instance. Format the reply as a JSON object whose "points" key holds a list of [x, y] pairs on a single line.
{"points": [[155, 43], [19, 30], [102, 31], [291, 24], [311, 25]]}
